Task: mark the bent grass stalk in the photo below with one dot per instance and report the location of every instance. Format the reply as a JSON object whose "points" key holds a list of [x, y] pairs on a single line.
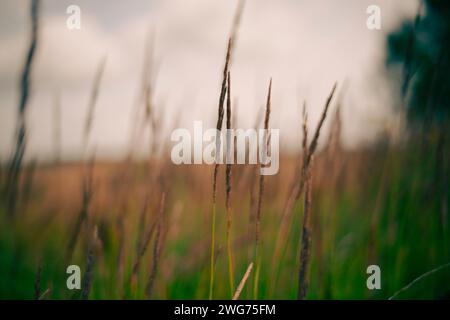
{"points": [[45, 293], [243, 281], [418, 279]]}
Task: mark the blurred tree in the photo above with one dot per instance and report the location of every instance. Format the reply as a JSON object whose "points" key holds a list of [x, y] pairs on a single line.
{"points": [[422, 49]]}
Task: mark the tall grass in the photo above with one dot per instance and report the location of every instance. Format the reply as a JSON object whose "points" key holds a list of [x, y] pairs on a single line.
{"points": [[298, 183], [142, 249], [343, 224], [229, 157], [21, 134], [91, 255], [305, 243], [216, 167], [157, 247], [223, 91], [87, 192], [265, 146], [93, 101]]}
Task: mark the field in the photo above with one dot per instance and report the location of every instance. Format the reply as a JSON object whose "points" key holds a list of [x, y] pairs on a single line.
{"points": [[145, 228], [378, 206]]}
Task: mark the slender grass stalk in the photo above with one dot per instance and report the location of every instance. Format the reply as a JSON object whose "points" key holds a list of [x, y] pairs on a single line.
{"points": [[142, 223], [418, 279], [141, 253], [237, 20], [57, 128], [228, 189], [298, 185], [120, 227], [37, 282], [156, 247], [243, 281], [12, 179], [87, 281], [297, 191], [141, 108], [93, 101], [45, 293], [251, 217], [213, 244], [87, 191], [315, 140], [87, 183], [261, 195], [231, 42], [88, 276], [251, 183], [305, 243], [216, 166], [305, 134], [142, 243]]}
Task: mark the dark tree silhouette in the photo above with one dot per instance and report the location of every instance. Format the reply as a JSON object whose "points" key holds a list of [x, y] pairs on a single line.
{"points": [[421, 47]]}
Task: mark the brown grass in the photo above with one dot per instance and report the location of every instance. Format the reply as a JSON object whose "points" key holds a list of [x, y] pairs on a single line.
{"points": [[243, 281]]}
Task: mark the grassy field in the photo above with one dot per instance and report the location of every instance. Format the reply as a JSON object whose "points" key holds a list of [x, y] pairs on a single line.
{"points": [[380, 206], [152, 230]]}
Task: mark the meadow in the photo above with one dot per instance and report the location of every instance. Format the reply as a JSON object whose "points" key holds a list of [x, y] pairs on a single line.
{"points": [[378, 206], [150, 229]]}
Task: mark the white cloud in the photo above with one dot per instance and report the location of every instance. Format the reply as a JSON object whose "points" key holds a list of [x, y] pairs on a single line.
{"points": [[304, 45]]}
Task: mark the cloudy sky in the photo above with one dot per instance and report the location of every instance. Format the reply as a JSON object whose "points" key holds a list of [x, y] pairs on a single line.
{"points": [[304, 45]]}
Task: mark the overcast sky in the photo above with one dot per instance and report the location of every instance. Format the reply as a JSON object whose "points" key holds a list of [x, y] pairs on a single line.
{"points": [[304, 45]]}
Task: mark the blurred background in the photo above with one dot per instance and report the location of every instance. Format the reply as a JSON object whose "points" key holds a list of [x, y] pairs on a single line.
{"points": [[305, 46], [86, 152]]}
